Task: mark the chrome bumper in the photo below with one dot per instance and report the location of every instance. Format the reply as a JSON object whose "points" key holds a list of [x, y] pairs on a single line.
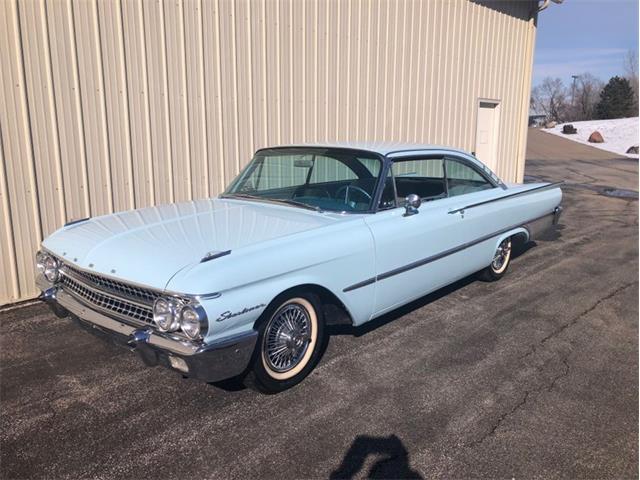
{"points": [[208, 362], [556, 214]]}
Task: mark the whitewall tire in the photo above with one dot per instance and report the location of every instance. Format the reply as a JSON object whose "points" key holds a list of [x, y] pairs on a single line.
{"points": [[290, 342], [500, 262]]}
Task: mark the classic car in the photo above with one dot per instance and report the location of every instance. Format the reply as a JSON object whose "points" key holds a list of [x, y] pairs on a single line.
{"points": [[244, 285]]}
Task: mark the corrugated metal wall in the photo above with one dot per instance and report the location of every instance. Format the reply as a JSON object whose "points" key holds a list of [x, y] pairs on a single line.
{"points": [[109, 105]]}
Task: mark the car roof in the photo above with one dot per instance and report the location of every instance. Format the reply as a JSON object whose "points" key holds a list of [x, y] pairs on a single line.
{"points": [[381, 148], [391, 150]]}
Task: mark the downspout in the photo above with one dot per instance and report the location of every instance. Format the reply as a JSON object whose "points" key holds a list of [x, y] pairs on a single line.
{"points": [[526, 87], [526, 93], [545, 4]]}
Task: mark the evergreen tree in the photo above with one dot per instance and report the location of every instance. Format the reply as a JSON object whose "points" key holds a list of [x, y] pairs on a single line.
{"points": [[616, 99]]}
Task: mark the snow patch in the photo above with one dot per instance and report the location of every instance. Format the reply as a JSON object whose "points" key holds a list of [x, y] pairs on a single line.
{"points": [[619, 134]]}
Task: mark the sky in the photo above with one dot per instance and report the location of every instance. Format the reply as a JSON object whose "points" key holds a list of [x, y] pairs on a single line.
{"points": [[581, 36]]}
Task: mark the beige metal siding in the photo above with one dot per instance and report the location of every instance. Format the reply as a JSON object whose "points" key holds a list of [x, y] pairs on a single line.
{"points": [[109, 105]]}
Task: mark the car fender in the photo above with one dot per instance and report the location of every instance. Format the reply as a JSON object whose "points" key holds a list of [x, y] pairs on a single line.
{"points": [[332, 258], [236, 311], [520, 231]]}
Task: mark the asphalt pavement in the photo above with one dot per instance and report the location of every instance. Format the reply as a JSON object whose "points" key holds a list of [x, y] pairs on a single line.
{"points": [[534, 376]]}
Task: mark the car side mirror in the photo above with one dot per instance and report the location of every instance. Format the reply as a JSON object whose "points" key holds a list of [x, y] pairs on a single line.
{"points": [[411, 205]]}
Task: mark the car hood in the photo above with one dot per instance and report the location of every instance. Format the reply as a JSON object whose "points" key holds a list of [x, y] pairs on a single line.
{"points": [[150, 245]]}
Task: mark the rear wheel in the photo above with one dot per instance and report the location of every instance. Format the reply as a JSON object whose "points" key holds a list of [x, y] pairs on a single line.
{"points": [[499, 264], [290, 342]]}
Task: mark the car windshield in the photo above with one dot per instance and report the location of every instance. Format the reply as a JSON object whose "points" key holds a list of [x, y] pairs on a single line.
{"points": [[316, 178]]}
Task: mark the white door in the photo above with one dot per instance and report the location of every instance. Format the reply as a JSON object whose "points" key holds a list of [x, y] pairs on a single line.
{"points": [[487, 133]]}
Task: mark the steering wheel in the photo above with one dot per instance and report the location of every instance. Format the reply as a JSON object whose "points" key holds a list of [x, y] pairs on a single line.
{"points": [[303, 189], [347, 189]]}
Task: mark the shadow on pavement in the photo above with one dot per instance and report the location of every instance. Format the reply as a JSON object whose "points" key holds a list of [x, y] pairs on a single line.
{"points": [[392, 459]]}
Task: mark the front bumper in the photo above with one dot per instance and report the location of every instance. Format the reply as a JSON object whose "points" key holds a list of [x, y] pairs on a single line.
{"points": [[210, 362]]}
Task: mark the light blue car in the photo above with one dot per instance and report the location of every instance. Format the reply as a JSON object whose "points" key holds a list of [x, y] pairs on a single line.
{"points": [[245, 284]]}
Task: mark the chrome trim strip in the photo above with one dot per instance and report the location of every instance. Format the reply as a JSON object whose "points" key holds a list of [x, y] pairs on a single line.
{"points": [[364, 283], [229, 341], [438, 256], [430, 149], [204, 296], [213, 256], [525, 192], [73, 222]]}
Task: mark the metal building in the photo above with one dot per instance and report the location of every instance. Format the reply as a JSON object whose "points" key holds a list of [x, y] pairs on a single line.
{"points": [[110, 105]]}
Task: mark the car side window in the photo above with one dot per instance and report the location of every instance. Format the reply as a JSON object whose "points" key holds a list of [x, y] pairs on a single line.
{"points": [[463, 179], [424, 177]]}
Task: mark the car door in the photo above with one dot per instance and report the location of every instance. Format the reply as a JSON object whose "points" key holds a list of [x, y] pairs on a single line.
{"points": [[417, 254]]}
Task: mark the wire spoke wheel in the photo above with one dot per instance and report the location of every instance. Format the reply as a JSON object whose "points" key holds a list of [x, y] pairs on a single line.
{"points": [[290, 342], [287, 338], [501, 256]]}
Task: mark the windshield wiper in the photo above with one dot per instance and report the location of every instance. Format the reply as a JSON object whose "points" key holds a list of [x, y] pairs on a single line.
{"points": [[241, 195], [298, 204], [285, 201]]}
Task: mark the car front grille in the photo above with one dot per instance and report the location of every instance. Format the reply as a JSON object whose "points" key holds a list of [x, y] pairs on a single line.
{"points": [[118, 288], [103, 301], [127, 302]]}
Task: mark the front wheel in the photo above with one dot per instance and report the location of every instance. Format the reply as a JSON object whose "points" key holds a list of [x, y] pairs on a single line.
{"points": [[290, 342], [499, 264]]}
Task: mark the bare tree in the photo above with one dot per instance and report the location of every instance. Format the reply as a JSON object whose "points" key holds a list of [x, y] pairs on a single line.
{"points": [[586, 96], [631, 71], [550, 99]]}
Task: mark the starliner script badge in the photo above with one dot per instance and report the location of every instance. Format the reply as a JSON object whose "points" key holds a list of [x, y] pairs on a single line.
{"points": [[228, 314]]}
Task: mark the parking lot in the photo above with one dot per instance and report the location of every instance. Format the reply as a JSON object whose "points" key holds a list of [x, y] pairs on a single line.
{"points": [[532, 376]]}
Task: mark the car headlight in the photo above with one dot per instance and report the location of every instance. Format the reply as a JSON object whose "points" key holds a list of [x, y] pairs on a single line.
{"points": [[48, 266], [192, 321], [40, 256], [166, 314]]}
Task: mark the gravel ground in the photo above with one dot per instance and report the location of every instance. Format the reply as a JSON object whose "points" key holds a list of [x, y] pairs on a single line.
{"points": [[533, 376]]}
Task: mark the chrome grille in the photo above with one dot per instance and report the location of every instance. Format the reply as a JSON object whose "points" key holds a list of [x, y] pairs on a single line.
{"points": [[107, 302], [118, 288]]}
